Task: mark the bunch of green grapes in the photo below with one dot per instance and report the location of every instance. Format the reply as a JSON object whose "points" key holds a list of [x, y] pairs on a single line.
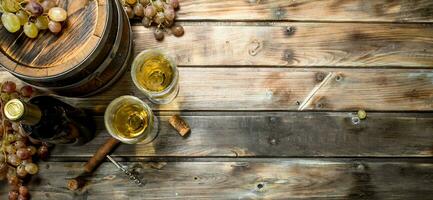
{"points": [[161, 13], [18, 152], [32, 15]]}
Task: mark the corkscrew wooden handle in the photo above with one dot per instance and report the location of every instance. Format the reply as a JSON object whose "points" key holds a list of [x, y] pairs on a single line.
{"points": [[99, 156]]}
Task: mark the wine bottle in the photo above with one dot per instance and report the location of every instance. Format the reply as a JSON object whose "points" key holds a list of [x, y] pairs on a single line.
{"points": [[50, 120]]}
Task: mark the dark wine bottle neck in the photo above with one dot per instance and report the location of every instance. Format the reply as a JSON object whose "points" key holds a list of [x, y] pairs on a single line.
{"points": [[32, 114]]}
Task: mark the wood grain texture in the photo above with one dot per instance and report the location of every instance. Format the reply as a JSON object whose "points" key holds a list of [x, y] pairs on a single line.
{"points": [[278, 134], [308, 10], [306, 44], [251, 179], [62, 51], [283, 89], [287, 89]]}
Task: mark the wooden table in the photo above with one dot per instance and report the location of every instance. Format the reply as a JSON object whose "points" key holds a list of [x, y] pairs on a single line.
{"points": [[270, 89]]}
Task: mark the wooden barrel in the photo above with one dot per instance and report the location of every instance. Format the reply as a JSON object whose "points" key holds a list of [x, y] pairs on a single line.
{"points": [[87, 56]]}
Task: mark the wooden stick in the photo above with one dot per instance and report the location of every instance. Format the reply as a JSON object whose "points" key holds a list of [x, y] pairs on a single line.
{"points": [[99, 156]]}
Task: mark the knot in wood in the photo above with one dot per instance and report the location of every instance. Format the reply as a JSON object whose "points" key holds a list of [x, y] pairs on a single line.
{"points": [[339, 77], [279, 12], [360, 167], [240, 165], [288, 55], [320, 76], [269, 94], [272, 119], [272, 141], [290, 30], [356, 120], [260, 186], [255, 47]]}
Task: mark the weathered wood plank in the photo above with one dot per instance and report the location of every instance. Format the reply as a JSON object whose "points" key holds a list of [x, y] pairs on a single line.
{"points": [[253, 179], [279, 134], [324, 10], [309, 44], [288, 89], [285, 89]]}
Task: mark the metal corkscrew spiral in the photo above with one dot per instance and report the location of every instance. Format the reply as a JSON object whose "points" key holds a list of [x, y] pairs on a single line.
{"points": [[130, 175]]}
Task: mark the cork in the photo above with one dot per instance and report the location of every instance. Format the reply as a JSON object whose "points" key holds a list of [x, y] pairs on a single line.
{"points": [[179, 124]]}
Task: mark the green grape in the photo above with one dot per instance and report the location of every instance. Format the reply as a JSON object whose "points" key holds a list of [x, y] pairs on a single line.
{"points": [[138, 10], [159, 18], [31, 168], [31, 30], [159, 5], [11, 138], [14, 160], [169, 13], [2, 159], [11, 172], [32, 150], [57, 14], [10, 5], [131, 2], [23, 16], [11, 22], [19, 143], [42, 22], [21, 171], [149, 12], [362, 114], [11, 149], [146, 22]]}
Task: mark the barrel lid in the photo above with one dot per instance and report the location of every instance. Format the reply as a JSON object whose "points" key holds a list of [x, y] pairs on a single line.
{"points": [[50, 55]]}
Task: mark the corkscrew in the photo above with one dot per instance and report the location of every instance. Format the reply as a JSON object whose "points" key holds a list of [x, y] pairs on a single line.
{"points": [[129, 174]]}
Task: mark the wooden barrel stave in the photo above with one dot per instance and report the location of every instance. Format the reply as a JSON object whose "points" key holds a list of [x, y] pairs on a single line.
{"points": [[87, 76], [116, 63]]}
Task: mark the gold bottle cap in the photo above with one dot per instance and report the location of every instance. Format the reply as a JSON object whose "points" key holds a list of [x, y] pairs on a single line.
{"points": [[14, 109]]}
